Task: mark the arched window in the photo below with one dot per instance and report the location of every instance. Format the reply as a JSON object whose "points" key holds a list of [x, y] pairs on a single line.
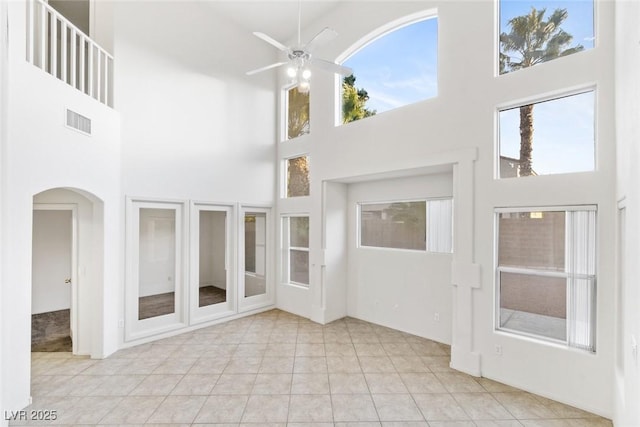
{"points": [[393, 67]]}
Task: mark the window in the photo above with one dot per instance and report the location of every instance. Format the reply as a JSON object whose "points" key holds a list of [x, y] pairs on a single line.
{"points": [[255, 253], [424, 225], [297, 113], [295, 237], [551, 137], [297, 176], [546, 274], [536, 31], [398, 68]]}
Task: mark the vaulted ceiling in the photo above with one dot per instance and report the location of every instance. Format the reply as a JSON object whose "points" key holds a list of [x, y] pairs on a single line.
{"points": [[279, 19]]}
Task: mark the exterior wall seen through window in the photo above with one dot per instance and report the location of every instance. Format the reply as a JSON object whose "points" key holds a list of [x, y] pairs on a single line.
{"points": [[424, 225], [546, 274]]}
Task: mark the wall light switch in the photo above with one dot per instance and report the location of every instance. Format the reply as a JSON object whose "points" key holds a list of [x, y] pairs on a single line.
{"points": [[634, 349]]}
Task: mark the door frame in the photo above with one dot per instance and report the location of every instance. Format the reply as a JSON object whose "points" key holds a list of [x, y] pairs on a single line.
{"points": [[199, 314], [73, 316]]}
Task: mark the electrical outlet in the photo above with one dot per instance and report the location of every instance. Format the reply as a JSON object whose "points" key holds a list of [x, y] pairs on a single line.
{"points": [[121, 323], [436, 317], [499, 350], [634, 349]]}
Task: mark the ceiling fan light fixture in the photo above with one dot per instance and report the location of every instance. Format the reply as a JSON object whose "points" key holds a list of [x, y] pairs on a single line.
{"points": [[300, 56], [304, 86]]}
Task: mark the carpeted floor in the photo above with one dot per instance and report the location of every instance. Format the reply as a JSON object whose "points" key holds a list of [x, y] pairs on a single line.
{"points": [[161, 304], [50, 332]]}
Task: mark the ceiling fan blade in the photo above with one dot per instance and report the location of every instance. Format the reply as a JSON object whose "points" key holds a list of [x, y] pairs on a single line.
{"points": [[331, 67], [324, 36], [271, 41], [268, 67]]}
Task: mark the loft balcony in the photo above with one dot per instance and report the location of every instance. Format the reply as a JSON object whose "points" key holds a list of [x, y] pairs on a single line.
{"points": [[61, 49]]}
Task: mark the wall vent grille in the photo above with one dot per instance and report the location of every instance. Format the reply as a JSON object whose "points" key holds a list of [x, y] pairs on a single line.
{"points": [[78, 122]]}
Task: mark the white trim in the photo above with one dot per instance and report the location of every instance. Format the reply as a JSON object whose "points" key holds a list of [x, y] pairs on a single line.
{"points": [[541, 272], [529, 209], [426, 201], [268, 298], [196, 313], [372, 37], [134, 327], [550, 96], [285, 268]]}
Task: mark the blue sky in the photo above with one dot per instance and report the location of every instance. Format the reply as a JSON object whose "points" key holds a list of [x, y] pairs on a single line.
{"points": [[579, 22], [563, 139], [563, 136], [399, 68]]}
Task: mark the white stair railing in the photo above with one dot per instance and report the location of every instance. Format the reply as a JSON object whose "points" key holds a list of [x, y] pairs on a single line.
{"points": [[58, 47]]}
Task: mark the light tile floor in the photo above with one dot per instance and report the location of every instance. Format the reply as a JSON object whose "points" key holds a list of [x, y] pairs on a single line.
{"points": [[277, 369]]}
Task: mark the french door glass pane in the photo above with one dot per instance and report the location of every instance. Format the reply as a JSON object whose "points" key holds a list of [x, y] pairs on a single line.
{"points": [[255, 256], [212, 280], [157, 262]]}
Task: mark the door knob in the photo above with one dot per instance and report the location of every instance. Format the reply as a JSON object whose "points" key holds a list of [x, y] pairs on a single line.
{"points": [[67, 281]]}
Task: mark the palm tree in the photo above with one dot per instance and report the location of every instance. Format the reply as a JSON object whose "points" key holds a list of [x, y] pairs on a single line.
{"points": [[297, 124], [533, 40], [354, 101]]}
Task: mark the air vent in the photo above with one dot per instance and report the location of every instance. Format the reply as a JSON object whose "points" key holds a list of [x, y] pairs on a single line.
{"points": [[78, 122]]}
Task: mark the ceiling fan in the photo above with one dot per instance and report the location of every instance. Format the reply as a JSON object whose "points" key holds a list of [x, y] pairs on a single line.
{"points": [[300, 56]]}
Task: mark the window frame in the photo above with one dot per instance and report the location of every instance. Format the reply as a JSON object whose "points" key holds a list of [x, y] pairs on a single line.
{"points": [[284, 134], [539, 99], [546, 273], [287, 249], [285, 175], [498, 31], [427, 248], [372, 37]]}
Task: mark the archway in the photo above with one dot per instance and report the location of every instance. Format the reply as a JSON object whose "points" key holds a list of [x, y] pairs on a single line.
{"points": [[67, 270]]}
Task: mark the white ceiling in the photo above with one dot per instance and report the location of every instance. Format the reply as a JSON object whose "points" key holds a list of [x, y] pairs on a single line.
{"points": [[279, 19]]}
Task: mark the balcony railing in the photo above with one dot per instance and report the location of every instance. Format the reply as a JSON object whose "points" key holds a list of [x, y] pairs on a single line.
{"points": [[58, 47]]}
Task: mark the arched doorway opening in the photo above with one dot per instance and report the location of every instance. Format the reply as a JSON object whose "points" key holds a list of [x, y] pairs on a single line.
{"points": [[67, 271]]}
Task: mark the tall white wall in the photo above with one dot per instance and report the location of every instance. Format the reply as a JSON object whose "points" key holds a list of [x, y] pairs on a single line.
{"points": [[40, 153], [194, 126], [627, 373], [4, 104], [463, 116]]}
